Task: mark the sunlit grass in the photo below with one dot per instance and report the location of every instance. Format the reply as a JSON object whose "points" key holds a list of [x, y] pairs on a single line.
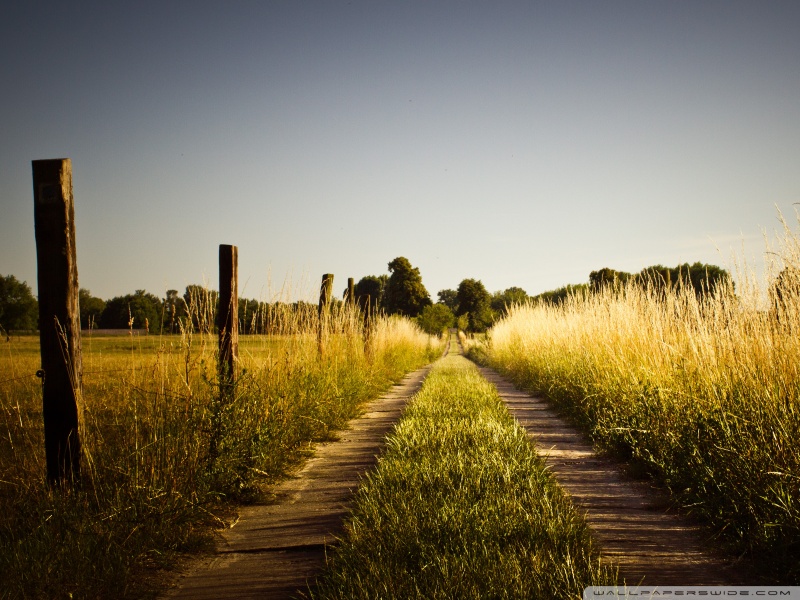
{"points": [[151, 487], [460, 506], [701, 393]]}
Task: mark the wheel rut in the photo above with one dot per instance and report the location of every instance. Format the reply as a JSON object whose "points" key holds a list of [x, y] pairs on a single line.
{"points": [[631, 521], [277, 550]]}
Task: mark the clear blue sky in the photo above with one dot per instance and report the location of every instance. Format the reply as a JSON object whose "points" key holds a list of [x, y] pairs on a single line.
{"points": [[519, 143]]}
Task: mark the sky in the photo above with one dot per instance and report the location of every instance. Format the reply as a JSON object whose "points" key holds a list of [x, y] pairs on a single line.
{"points": [[519, 143]]}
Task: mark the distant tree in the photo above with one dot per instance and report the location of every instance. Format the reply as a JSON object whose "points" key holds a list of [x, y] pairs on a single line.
{"points": [[18, 308], [605, 278], [560, 295], [435, 318], [174, 311], [140, 310], [404, 293], [475, 302], [784, 295], [91, 309], [201, 308], [369, 292], [703, 279], [250, 312], [449, 298], [502, 300]]}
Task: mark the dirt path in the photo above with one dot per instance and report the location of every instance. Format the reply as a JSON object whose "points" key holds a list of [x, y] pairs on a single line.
{"points": [[629, 519], [274, 550]]}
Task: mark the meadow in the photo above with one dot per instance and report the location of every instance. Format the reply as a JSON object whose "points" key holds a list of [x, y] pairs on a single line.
{"points": [[700, 392], [166, 455], [460, 506]]}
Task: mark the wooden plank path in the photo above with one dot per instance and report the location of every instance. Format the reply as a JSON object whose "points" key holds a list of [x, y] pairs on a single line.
{"points": [[629, 519], [276, 550]]}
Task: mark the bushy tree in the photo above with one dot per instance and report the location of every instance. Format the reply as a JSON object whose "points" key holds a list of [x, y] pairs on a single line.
{"points": [[558, 296], [449, 299], [369, 292], [435, 318], [18, 308], [91, 309], [702, 278], [502, 300], [475, 302], [140, 310], [605, 278], [201, 308], [404, 293]]}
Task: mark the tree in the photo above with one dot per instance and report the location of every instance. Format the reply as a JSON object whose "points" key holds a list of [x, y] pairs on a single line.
{"points": [[200, 304], [784, 294], [703, 279], [605, 277], [475, 302], [369, 292], [18, 308], [449, 299], [560, 295], [404, 293], [91, 309], [502, 300], [139, 310], [435, 318]]}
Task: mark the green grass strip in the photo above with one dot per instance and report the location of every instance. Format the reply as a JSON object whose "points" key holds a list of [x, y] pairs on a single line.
{"points": [[460, 506]]}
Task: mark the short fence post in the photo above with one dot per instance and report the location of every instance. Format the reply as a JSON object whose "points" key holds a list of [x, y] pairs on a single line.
{"points": [[351, 292], [59, 318], [228, 323], [325, 291]]}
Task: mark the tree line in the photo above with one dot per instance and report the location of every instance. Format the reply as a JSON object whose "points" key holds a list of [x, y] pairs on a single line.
{"points": [[470, 307]]}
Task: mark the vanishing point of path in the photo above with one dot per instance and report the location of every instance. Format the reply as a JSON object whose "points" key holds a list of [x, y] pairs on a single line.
{"points": [[275, 551]]}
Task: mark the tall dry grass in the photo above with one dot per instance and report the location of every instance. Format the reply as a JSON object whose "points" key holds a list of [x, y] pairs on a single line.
{"points": [[701, 392], [166, 453]]}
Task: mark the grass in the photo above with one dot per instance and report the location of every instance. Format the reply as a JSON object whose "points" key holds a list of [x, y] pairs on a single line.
{"points": [[152, 489], [460, 506], [702, 394]]}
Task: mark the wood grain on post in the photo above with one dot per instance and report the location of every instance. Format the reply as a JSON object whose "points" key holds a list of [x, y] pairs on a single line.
{"points": [[59, 318], [325, 292], [351, 292], [228, 323]]}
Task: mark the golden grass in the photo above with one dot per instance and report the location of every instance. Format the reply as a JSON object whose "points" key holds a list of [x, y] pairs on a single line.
{"points": [[701, 392], [165, 451]]}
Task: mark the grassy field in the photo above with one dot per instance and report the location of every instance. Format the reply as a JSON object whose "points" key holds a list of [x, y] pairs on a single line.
{"points": [[460, 506], [152, 489], [701, 393]]}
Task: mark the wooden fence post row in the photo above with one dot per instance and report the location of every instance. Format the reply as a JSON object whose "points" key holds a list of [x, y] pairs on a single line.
{"points": [[59, 318], [228, 317]]}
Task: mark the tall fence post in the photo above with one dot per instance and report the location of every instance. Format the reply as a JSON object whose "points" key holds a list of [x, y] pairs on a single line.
{"points": [[59, 318], [325, 292], [228, 315]]}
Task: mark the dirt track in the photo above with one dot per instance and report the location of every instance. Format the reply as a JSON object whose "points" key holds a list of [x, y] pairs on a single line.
{"points": [[276, 550]]}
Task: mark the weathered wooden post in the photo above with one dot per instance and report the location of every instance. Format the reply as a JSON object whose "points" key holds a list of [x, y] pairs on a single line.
{"points": [[59, 318], [325, 292], [228, 323], [351, 292], [368, 326]]}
